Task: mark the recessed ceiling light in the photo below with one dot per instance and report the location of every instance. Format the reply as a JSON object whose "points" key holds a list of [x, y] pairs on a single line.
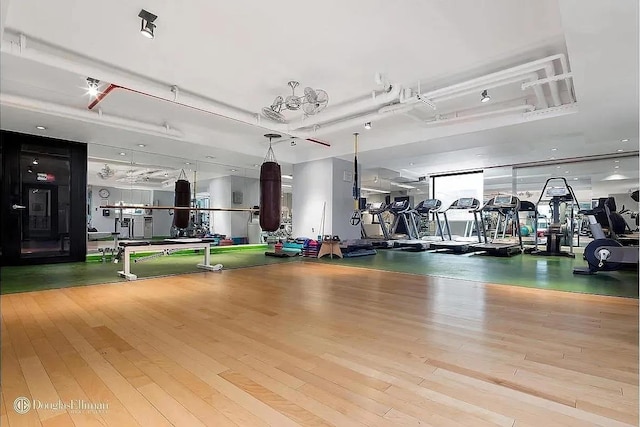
{"points": [[616, 161], [557, 167], [624, 140], [187, 163], [575, 179], [35, 161], [552, 158], [412, 163], [484, 96], [288, 176], [566, 171], [41, 127], [234, 170], [620, 150], [210, 157], [616, 167], [255, 165], [141, 145], [554, 149], [123, 153]]}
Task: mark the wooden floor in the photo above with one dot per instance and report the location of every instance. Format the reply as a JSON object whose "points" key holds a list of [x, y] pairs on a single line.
{"points": [[316, 344]]}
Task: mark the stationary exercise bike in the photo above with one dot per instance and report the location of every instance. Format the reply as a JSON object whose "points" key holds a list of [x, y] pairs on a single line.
{"points": [[605, 253]]}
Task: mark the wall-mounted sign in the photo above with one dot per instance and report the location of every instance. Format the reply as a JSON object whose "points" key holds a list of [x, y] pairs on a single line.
{"points": [[46, 177]]}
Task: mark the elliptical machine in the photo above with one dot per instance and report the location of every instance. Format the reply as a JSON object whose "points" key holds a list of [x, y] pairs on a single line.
{"points": [[603, 253]]}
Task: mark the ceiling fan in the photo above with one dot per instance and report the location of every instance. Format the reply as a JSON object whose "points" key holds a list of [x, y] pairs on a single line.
{"points": [[311, 102], [106, 172]]}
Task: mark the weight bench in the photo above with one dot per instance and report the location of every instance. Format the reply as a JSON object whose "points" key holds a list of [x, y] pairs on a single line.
{"points": [[163, 247]]}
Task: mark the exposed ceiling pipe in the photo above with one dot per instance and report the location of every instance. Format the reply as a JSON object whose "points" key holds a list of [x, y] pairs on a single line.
{"points": [[526, 107], [542, 100], [88, 116], [382, 113], [489, 78], [549, 71], [350, 108]]}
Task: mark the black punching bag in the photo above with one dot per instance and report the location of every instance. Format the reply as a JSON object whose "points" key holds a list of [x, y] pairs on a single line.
{"points": [[182, 198], [270, 191]]}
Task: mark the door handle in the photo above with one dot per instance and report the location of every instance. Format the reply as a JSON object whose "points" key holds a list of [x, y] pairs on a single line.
{"points": [[16, 207]]}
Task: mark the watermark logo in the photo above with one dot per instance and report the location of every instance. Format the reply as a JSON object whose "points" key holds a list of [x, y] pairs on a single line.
{"points": [[21, 405]]}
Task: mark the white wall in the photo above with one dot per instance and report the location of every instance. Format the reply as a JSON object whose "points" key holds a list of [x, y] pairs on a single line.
{"points": [[162, 221], [342, 201], [312, 187], [220, 197], [250, 189], [106, 223]]}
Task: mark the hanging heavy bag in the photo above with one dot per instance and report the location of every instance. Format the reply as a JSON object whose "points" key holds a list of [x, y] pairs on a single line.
{"points": [[270, 191], [182, 199]]}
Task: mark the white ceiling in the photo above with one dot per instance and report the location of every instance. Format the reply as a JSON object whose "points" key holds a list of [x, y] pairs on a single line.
{"points": [[242, 54]]}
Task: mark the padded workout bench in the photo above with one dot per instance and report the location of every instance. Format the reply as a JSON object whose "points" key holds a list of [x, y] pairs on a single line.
{"points": [[165, 246]]}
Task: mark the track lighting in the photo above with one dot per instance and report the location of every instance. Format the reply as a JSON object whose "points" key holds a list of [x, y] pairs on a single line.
{"points": [[93, 85], [30, 169], [41, 128], [485, 96], [147, 26], [35, 161], [367, 125]]}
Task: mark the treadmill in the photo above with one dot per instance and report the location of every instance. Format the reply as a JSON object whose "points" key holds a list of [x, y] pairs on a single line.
{"points": [[432, 206], [507, 208], [404, 213], [461, 244], [376, 209]]}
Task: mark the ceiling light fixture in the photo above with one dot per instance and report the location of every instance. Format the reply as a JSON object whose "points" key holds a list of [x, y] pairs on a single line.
{"points": [[287, 176], [616, 161], [35, 161], [93, 85], [234, 170], [485, 96], [367, 125], [41, 127], [286, 185], [616, 167], [141, 145], [624, 140], [187, 163], [147, 26], [122, 153], [620, 150], [566, 171], [30, 169], [575, 179], [557, 167], [552, 158], [554, 149], [373, 190], [403, 185], [210, 157]]}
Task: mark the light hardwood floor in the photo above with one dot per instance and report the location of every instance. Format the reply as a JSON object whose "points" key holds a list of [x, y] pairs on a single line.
{"points": [[316, 344]]}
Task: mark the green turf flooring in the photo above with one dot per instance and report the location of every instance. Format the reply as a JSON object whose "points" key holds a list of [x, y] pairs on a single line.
{"points": [[521, 270], [51, 276]]}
